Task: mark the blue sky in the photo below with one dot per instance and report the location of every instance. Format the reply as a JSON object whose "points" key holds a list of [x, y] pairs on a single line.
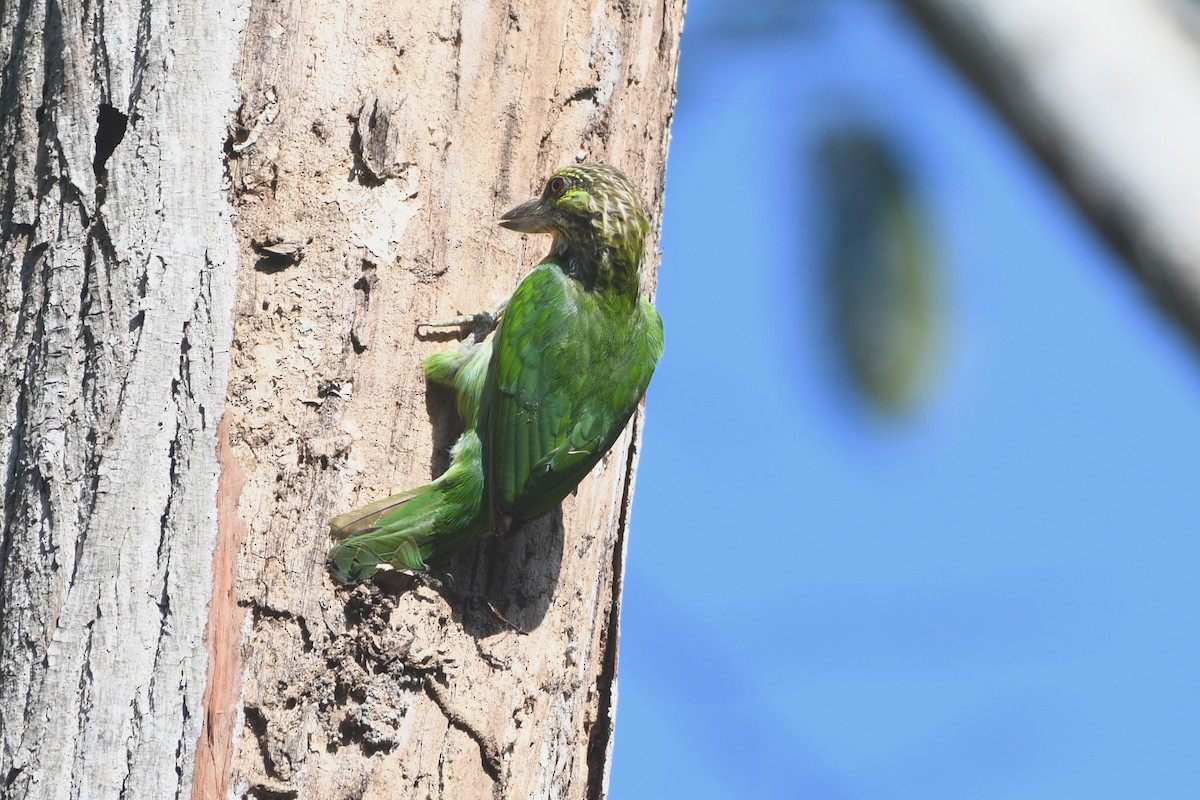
{"points": [[995, 599]]}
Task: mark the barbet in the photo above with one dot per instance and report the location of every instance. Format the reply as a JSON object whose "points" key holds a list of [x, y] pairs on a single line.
{"points": [[543, 398]]}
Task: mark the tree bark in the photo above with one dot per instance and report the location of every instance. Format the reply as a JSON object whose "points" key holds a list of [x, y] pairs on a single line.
{"points": [[169, 438], [117, 276], [376, 146], [1108, 95]]}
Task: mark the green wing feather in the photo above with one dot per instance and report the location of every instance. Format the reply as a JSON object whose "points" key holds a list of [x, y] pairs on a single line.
{"points": [[569, 369]]}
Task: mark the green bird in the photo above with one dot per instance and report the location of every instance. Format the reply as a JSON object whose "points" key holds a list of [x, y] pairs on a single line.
{"points": [[545, 397]]}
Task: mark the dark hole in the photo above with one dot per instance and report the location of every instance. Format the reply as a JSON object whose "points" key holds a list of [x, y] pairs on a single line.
{"points": [[110, 130]]}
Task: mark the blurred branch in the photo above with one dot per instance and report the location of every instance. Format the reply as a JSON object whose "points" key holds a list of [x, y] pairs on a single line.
{"points": [[1108, 95]]}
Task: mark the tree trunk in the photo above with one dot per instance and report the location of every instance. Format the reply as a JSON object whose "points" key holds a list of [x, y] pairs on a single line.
{"points": [[118, 266], [353, 195], [1108, 95]]}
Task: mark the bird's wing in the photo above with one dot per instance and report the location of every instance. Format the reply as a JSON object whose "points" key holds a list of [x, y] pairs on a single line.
{"points": [[567, 375]]}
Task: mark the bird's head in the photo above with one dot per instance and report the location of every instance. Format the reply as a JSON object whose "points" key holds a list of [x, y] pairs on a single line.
{"points": [[597, 219]]}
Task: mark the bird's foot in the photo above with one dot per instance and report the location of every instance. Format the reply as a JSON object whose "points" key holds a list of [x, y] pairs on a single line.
{"points": [[480, 324]]}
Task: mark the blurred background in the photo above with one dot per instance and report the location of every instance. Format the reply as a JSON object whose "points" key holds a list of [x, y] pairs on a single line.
{"points": [[916, 513]]}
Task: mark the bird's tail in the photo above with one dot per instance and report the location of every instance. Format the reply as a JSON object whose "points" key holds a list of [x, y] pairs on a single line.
{"points": [[407, 530]]}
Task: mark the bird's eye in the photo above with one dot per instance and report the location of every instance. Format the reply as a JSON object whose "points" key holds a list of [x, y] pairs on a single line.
{"points": [[557, 186]]}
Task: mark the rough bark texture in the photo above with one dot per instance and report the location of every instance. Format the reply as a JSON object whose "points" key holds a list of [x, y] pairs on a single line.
{"points": [[117, 268], [376, 145], [1108, 95]]}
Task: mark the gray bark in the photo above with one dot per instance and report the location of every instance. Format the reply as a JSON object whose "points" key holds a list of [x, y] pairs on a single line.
{"points": [[117, 275], [1108, 95]]}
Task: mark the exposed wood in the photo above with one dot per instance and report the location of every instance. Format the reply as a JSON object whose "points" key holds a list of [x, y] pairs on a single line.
{"points": [[376, 146], [117, 268], [223, 638], [1108, 95]]}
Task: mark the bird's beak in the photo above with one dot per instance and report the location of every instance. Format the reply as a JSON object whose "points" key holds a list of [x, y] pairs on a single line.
{"points": [[530, 217]]}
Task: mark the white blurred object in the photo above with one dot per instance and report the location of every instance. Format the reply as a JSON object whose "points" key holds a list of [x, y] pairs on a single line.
{"points": [[1109, 93]]}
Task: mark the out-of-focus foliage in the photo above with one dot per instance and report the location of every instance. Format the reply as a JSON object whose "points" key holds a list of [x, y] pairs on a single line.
{"points": [[879, 260]]}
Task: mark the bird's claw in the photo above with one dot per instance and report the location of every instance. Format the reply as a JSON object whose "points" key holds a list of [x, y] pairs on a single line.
{"points": [[474, 320], [480, 324]]}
